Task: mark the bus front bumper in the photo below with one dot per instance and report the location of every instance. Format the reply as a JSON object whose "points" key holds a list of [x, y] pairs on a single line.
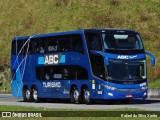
{"points": [[125, 94], [120, 94]]}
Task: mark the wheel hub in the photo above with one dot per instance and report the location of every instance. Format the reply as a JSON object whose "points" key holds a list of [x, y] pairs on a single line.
{"points": [[28, 94], [35, 94], [86, 95], [76, 95]]}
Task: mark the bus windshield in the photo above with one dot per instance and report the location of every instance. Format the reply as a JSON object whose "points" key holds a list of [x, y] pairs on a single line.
{"points": [[126, 70], [122, 42]]}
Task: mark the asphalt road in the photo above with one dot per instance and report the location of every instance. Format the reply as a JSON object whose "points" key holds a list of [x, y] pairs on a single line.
{"points": [[149, 104]]}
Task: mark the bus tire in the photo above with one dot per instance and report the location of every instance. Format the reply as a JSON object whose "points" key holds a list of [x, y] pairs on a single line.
{"points": [[26, 95], [75, 96], [86, 96], [35, 97]]}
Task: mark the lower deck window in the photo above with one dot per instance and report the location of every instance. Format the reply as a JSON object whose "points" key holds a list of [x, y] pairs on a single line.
{"points": [[61, 73]]}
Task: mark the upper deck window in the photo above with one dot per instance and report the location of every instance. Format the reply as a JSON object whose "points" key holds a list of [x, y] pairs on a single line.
{"points": [[43, 45], [122, 41], [93, 41]]}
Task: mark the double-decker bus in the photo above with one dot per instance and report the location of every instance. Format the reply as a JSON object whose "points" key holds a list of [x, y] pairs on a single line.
{"points": [[81, 65]]}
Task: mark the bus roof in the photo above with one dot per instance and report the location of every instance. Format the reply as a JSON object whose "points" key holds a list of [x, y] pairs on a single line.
{"points": [[112, 30], [99, 30], [48, 35]]}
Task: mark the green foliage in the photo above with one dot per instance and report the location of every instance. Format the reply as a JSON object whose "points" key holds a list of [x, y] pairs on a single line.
{"points": [[5, 81], [24, 108], [27, 109], [155, 84], [21, 17]]}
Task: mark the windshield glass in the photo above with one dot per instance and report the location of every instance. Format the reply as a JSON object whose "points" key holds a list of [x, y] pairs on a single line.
{"points": [[122, 41], [123, 71]]}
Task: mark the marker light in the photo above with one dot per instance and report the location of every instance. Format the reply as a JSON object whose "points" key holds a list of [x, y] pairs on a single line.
{"points": [[144, 88], [145, 94], [109, 87], [110, 94]]}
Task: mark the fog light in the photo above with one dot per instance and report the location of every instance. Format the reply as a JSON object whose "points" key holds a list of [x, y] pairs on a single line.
{"points": [[145, 94], [110, 94]]}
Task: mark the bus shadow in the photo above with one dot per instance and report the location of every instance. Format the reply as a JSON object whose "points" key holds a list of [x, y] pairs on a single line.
{"points": [[102, 102], [132, 102], [147, 101]]}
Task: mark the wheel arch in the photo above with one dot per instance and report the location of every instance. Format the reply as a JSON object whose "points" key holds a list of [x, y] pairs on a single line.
{"points": [[24, 87], [32, 86], [83, 87], [72, 86]]}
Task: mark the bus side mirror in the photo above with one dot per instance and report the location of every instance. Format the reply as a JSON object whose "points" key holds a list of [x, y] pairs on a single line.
{"points": [[152, 58]]}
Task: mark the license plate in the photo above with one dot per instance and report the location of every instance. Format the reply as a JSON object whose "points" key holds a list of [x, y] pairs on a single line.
{"points": [[129, 96]]}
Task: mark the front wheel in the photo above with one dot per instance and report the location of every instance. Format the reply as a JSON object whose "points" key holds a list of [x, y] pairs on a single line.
{"points": [[86, 96], [35, 96], [75, 96]]}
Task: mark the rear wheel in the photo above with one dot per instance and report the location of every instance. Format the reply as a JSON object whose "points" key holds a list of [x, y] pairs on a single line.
{"points": [[86, 96], [35, 96], [26, 95], [75, 96]]}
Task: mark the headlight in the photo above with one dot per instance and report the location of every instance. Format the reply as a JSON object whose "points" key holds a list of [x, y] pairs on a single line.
{"points": [[109, 87], [144, 88]]}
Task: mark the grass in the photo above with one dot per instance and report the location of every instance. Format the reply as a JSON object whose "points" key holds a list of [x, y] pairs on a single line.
{"points": [[22, 108], [31, 109], [5, 79], [19, 18], [155, 84]]}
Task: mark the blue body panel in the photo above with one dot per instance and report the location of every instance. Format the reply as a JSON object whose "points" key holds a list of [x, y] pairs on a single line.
{"points": [[120, 93], [25, 67], [17, 86]]}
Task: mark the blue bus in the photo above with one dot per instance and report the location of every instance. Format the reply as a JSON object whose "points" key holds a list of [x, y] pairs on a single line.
{"points": [[82, 65]]}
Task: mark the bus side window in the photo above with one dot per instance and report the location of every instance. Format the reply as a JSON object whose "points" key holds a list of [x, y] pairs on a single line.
{"points": [[97, 64], [39, 46], [93, 41], [77, 43], [78, 73], [52, 73], [27, 47], [64, 44], [19, 47], [52, 44], [65, 73], [61, 73]]}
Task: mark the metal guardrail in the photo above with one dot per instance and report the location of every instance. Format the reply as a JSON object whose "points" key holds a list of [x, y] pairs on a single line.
{"points": [[154, 93]]}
